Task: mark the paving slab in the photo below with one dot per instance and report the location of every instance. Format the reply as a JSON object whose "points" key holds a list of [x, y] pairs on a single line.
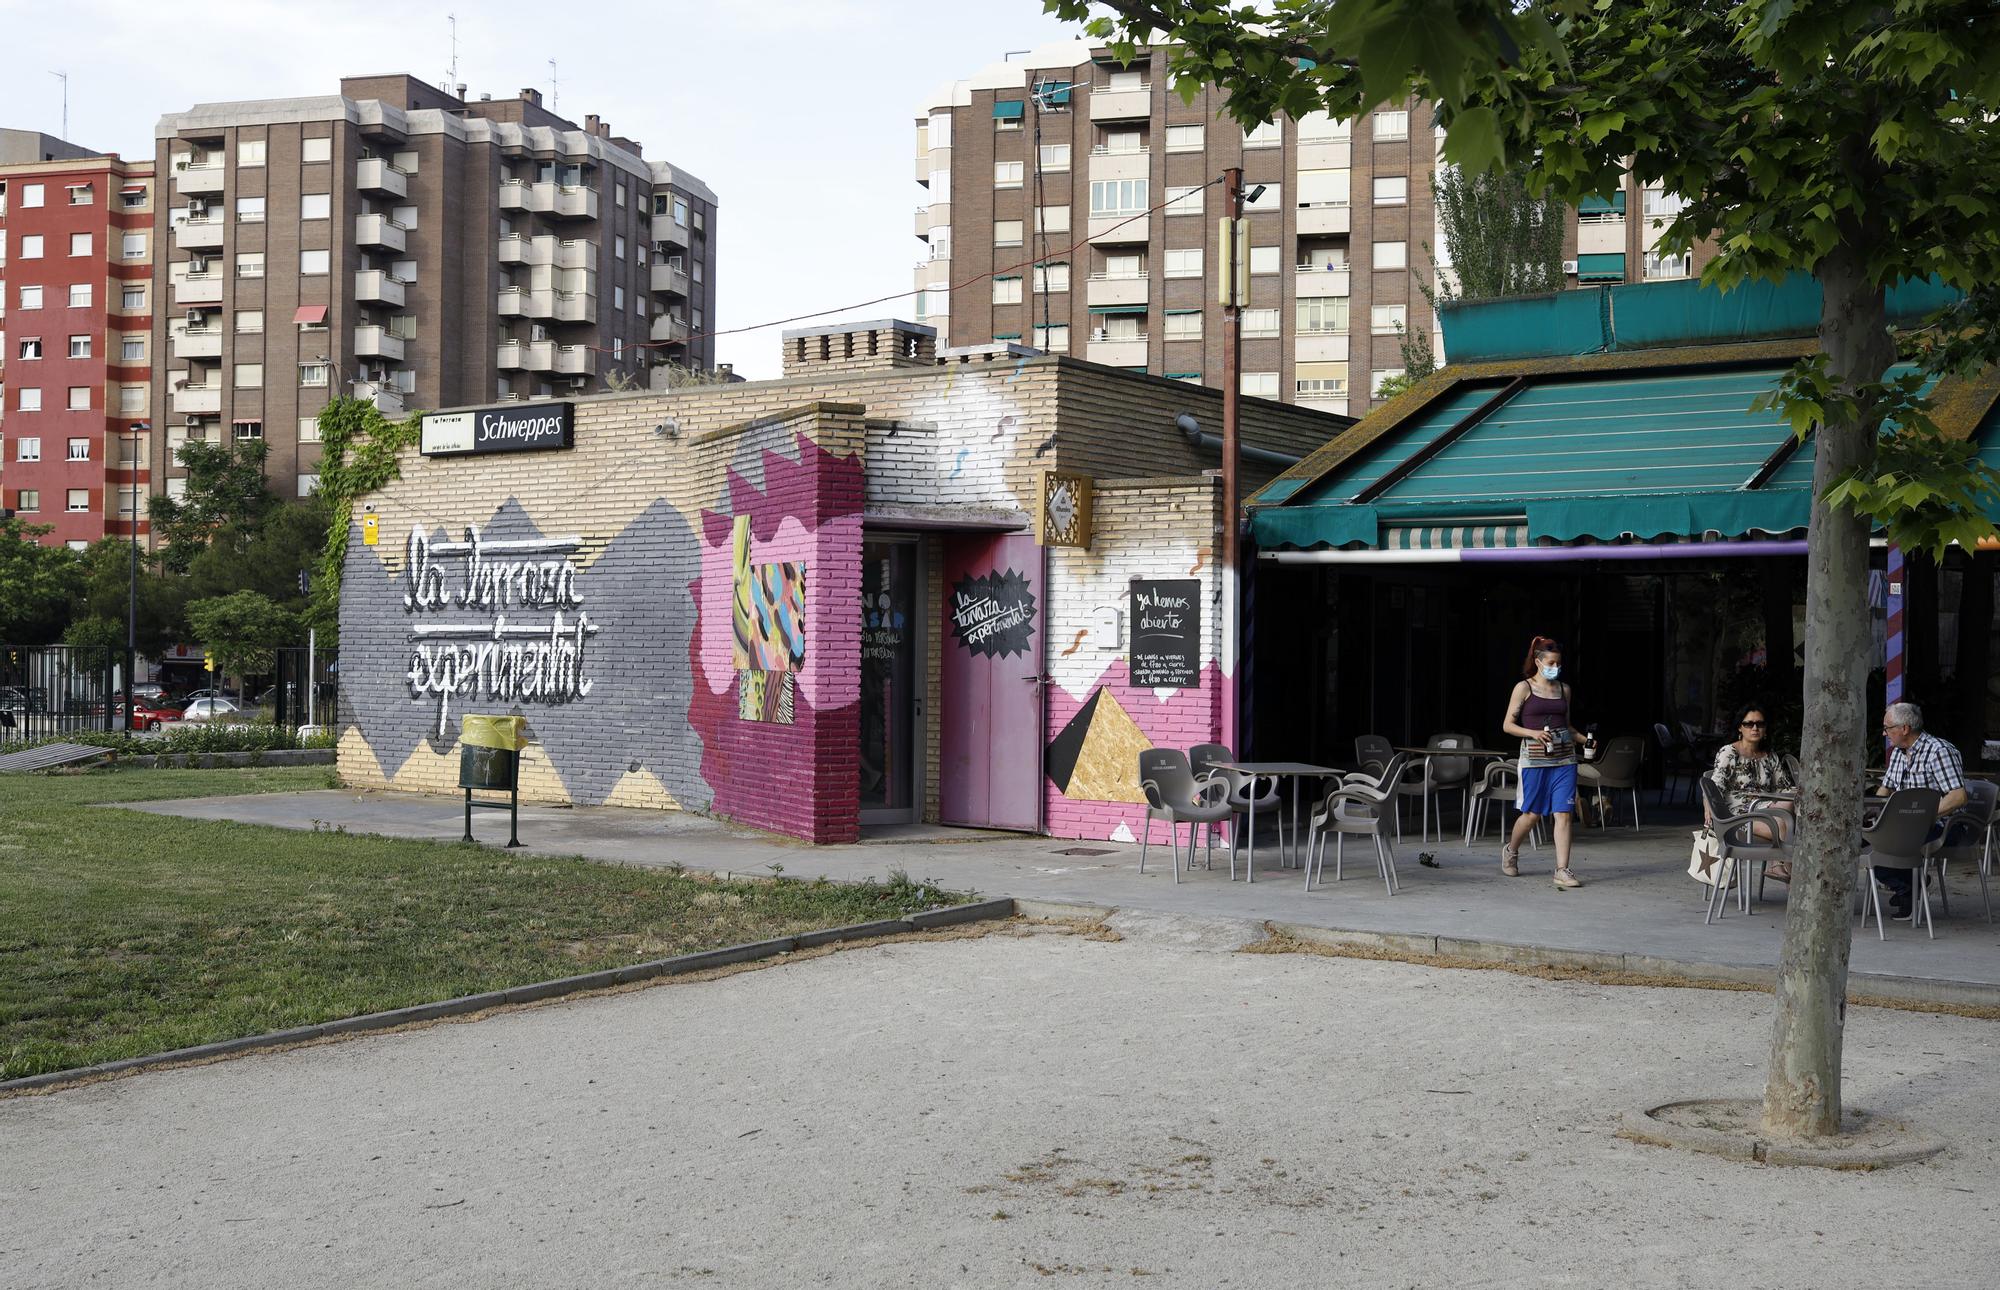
{"points": [[1638, 902]]}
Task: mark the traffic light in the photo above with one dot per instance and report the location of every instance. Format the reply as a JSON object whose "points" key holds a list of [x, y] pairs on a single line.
{"points": [[208, 660]]}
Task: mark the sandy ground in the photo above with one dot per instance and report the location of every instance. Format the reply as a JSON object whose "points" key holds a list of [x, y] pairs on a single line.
{"points": [[1013, 1110]]}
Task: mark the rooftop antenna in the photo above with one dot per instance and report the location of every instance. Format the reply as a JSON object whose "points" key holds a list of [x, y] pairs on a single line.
{"points": [[555, 89], [451, 77], [64, 78]]}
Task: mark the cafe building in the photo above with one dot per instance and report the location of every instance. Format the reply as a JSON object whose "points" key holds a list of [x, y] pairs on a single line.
{"points": [[1590, 467], [896, 585]]}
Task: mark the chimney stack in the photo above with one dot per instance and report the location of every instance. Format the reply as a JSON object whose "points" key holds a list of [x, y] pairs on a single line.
{"points": [[529, 94], [590, 123]]}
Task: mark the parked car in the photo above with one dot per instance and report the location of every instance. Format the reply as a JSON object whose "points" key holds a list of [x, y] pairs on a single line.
{"points": [[147, 715], [149, 690], [211, 709], [17, 698]]}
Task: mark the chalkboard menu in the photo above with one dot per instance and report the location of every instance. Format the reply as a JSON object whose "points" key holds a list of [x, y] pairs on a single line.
{"points": [[1166, 633], [994, 613]]}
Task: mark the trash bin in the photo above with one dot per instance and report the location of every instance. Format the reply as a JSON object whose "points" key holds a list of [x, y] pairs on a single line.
{"points": [[489, 758]]}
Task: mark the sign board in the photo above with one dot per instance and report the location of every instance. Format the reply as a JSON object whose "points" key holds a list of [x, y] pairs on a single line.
{"points": [[1065, 509], [371, 530], [1166, 633], [513, 427], [993, 613]]}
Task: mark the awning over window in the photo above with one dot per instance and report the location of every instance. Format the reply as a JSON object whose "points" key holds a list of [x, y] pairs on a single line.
{"points": [[310, 314], [1007, 109], [1602, 205], [1118, 309], [133, 188], [1595, 268]]}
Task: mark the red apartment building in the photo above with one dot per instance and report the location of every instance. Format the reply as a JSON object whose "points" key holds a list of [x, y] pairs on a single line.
{"points": [[76, 267]]}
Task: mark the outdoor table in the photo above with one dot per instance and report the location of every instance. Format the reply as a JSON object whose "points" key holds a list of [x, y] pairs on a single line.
{"points": [[1489, 754], [1292, 770]]}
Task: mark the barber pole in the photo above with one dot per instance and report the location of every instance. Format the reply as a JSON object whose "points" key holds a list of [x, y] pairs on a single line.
{"points": [[1894, 626]]}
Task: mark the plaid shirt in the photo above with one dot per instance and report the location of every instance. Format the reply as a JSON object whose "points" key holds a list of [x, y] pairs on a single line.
{"points": [[1930, 762]]}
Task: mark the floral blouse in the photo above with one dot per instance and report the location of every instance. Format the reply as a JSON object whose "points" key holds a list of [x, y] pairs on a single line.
{"points": [[1743, 780]]}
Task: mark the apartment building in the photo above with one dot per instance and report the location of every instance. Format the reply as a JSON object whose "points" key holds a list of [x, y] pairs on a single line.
{"points": [[419, 249], [1072, 204], [76, 262]]}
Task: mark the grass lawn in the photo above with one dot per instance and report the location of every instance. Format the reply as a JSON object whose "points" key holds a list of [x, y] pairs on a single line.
{"points": [[124, 933]]}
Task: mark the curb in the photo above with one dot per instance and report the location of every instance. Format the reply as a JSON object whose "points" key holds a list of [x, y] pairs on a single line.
{"points": [[1643, 1126], [559, 987]]}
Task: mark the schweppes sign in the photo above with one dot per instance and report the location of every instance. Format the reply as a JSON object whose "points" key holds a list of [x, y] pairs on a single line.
{"points": [[514, 427]]}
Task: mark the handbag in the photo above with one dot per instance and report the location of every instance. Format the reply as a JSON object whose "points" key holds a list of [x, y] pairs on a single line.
{"points": [[1703, 858]]}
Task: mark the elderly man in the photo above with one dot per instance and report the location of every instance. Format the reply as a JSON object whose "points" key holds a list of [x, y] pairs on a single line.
{"points": [[1916, 760]]}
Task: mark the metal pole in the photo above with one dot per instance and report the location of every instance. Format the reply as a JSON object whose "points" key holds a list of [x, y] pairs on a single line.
{"points": [[1232, 391], [312, 670], [132, 573]]}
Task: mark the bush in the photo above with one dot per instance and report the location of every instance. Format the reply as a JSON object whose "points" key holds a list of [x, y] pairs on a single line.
{"points": [[196, 737]]}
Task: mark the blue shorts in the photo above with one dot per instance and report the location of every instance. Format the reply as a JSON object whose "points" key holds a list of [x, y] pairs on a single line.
{"points": [[1547, 790]]}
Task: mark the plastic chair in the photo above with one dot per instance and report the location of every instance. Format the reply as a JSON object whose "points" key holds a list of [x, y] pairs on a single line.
{"points": [[1446, 775], [1372, 753], [1243, 797], [1352, 809], [1741, 848], [1500, 784], [1617, 769], [1172, 795], [1899, 839], [1968, 836]]}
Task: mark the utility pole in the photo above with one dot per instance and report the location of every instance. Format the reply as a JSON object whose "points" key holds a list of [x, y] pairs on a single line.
{"points": [[139, 428], [64, 78], [1235, 279]]}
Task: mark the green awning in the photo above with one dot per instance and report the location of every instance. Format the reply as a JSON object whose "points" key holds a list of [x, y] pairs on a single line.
{"points": [[1118, 309], [1595, 268], [1007, 109], [1602, 205]]}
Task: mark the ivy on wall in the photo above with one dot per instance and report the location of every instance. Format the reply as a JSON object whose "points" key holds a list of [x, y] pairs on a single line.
{"points": [[360, 451]]}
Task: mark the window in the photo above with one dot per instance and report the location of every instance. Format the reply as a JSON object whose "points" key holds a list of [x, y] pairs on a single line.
{"points": [[1322, 380], [1119, 327], [694, 270], [250, 210], [1125, 80], [133, 196], [403, 271], [1392, 125], [135, 299], [131, 398], [1184, 263], [1387, 320], [1183, 324], [1268, 135], [79, 244], [81, 194], [617, 297], [250, 152], [1122, 142], [79, 295], [28, 499], [1667, 266], [79, 347], [79, 450], [308, 485], [1124, 266], [132, 246], [249, 376], [314, 263], [31, 297], [30, 401], [79, 398], [29, 448], [177, 488], [1322, 315], [1380, 375], [1322, 188], [1006, 232], [618, 192], [1006, 291], [31, 246], [1118, 196], [1055, 156], [1260, 385], [1051, 277], [31, 195], [1392, 190], [249, 430], [404, 215], [313, 375], [1006, 174], [1392, 255], [249, 321], [320, 149], [1052, 219], [309, 430], [1320, 127], [618, 247], [1260, 322], [1185, 201], [1263, 259], [1185, 138], [940, 130], [76, 499], [31, 349], [1663, 204], [1053, 338], [1271, 199], [250, 264], [316, 206], [680, 210]]}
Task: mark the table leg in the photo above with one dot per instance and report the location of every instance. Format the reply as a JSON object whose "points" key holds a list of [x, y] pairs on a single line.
{"points": [[1295, 818], [1250, 865]]}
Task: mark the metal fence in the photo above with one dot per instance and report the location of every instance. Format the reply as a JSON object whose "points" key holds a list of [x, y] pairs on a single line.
{"points": [[55, 690], [304, 687]]}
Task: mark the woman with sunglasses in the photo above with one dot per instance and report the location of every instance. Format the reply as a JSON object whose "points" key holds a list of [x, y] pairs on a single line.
{"points": [[1751, 774]]}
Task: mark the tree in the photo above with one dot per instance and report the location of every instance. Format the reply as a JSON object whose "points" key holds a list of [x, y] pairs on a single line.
{"points": [[225, 492], [37, 584], [1503, 238], [97, 643], [1846, 138], [108, 593], [243, 630]]}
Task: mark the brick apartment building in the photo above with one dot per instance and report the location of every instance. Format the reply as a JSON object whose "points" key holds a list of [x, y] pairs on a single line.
{"points": [[76, 262], [1344, 215], [419, 248]]}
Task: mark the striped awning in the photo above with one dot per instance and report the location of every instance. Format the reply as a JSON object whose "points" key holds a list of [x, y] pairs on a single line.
{"points": [[1469, 537]]}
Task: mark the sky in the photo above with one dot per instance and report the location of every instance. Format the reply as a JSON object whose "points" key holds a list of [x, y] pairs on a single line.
{"points": [[800, 114]]}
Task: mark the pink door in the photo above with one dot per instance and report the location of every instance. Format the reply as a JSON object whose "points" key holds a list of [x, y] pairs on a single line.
{"points": [[990, 740]]}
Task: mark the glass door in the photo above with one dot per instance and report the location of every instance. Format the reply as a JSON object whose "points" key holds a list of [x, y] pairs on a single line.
{"points": [[892, 645]]}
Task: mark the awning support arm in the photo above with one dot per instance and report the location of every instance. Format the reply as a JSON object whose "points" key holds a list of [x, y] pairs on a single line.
{"points": [[1409, 464]]}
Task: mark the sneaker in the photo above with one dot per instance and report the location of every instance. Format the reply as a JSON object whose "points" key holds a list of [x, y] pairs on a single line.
{"points": [[1510, 862], [1564, 878], [1899, 906]]}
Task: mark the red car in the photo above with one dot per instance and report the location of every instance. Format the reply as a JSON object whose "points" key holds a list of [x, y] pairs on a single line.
{"points": [[148, 715]]}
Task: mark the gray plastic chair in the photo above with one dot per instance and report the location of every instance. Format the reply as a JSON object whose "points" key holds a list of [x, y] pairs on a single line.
{"points": [[1353, 808], [1172, 795], [1446, 775], [1968, 836], [1244, 797], [1501, 786], [1372, 753], [1742, 849], [1617, 769], [1899, 839]]}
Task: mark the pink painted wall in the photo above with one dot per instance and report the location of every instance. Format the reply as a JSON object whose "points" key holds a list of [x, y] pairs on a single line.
{"points": [[1181, 720]]}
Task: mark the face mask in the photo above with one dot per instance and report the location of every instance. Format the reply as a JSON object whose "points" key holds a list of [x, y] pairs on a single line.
{"points": [[1551, 673]]}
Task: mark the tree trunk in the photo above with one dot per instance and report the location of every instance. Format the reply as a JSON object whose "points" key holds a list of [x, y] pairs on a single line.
{"points": [[1802, 1092]]}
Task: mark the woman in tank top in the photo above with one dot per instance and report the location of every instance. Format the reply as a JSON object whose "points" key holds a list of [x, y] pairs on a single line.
{"points": [[1539, 714]]}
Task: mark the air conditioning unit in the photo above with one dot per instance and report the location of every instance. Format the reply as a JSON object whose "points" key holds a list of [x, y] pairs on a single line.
{"points": [[194, 318], [1569, 267], [194, 423]]}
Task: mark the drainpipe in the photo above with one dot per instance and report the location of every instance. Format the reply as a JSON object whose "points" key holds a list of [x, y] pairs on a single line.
{"points": [[1200, 438]]}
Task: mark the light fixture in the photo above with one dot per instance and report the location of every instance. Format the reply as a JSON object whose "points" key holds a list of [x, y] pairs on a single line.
{"points": [[1254, 193]]}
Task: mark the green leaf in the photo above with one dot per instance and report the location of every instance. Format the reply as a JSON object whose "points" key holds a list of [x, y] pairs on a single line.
{"points": [[1473, 140]]}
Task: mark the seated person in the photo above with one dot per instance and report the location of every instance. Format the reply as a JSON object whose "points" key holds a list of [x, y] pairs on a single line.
{"points": [[1750, 773], [1917, 760]]}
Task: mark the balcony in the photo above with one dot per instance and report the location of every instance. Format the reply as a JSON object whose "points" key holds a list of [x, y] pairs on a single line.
{"points": [[373, 286], [668, 328], [1128, 163], [518, 302], [669, 232], [576, 306], [515, 249], [1120, 230], [196, 399], [1324, 403], [556, 200], [1323, 219], [1317, 281], [388, 400], [1121, 105], [574, 253], [1325, 155], [924, 168], [376, 175], [379, 232], [1597, 235], [669, 280], [198, 342], [527, 355], [204, 234], [576, 360], [1104, 289], [1322, 347], [192, 179], [923, 223], [198, 289], [376, 342], [1127, 351]]}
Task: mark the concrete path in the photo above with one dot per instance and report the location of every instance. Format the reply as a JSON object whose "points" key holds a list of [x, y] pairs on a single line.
{"points": [[1638, 901], [1009, 1112]]}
